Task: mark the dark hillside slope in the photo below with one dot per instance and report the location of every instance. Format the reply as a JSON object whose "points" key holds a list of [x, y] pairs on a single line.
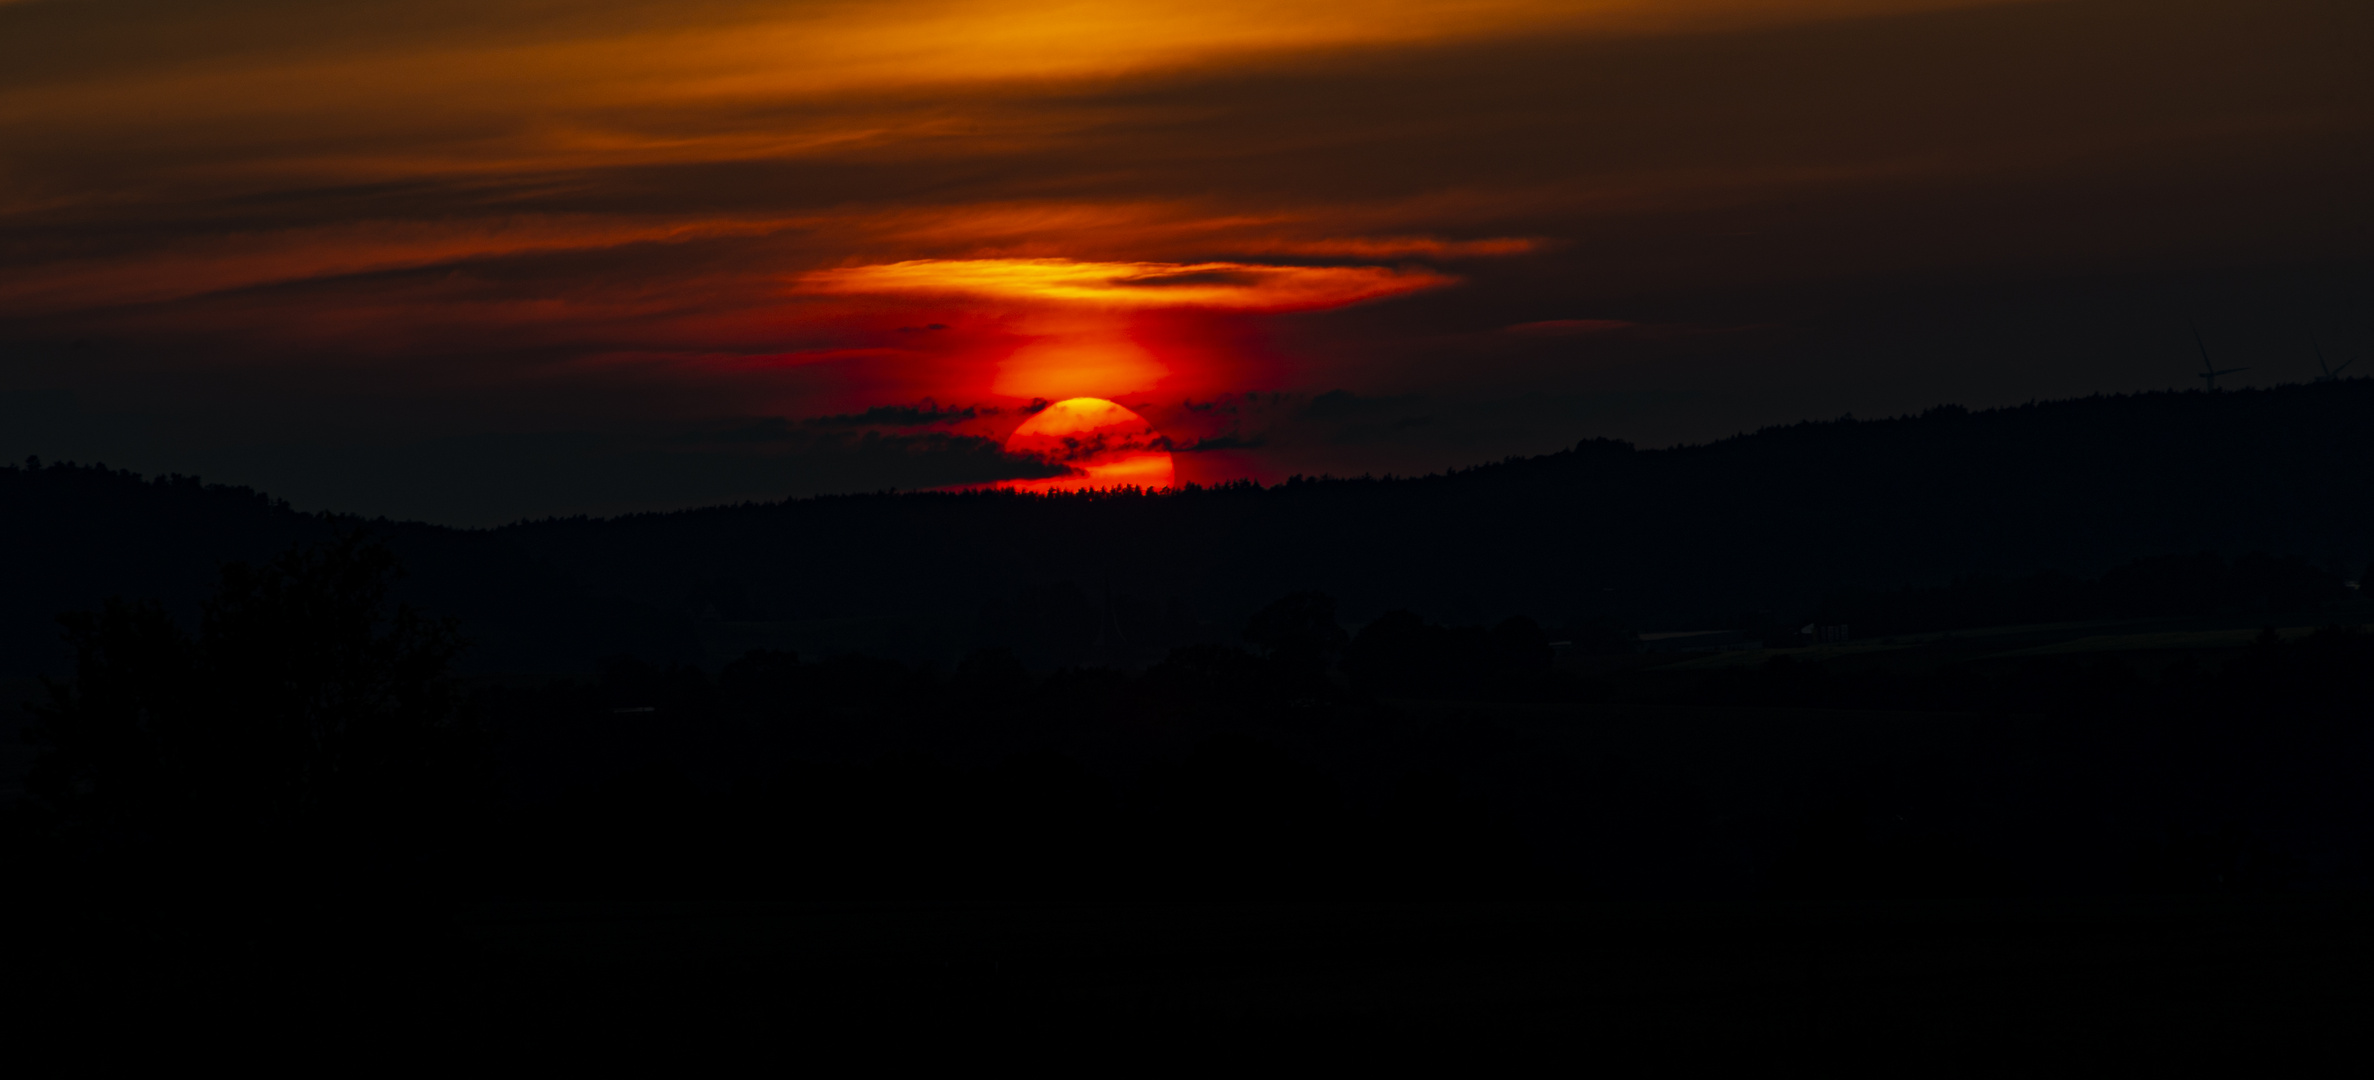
{"points": [[72, 536], [1768, 520], [1687, 536]]}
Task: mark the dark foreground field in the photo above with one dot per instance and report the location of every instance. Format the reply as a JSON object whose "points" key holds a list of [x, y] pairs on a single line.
{"points": [[1918, 986], [1966, 847]]}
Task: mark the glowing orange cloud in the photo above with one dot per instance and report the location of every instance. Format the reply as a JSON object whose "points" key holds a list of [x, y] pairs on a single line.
{"points": [[1387, 247], [1240, 286], [1104, 444], [1083, 327]]}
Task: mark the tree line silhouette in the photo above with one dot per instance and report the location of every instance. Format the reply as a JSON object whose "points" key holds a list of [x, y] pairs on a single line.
{"points": [[303, 726], [88, 532], [1602, 535]]}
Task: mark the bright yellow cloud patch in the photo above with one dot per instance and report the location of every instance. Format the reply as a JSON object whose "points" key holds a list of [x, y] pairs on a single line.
{"points": [[1239, 286]]}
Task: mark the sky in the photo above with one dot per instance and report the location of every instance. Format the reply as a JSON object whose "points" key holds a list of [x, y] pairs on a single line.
{"points": [[471, 262]]}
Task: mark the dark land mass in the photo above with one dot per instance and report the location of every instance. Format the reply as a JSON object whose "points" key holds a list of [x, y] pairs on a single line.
{"points": [[77, 535], [1751, 531], [1601, 534], [2092, 769]]}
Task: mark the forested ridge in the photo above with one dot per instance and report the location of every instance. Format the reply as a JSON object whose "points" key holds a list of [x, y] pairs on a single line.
{"points": [[1774, 520], [1771, 522]]}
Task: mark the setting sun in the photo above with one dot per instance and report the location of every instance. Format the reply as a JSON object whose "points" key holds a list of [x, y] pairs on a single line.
{"points": [[1105, 444]]}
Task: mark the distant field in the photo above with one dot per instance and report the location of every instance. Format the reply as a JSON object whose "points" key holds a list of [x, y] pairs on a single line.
{"points": [[1920, 650], [2196, 640], [938, 637]]}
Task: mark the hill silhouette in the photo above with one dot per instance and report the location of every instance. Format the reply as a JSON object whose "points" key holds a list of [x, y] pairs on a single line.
{"points": [[1746, 530], [80, 534], [1599, 534]]}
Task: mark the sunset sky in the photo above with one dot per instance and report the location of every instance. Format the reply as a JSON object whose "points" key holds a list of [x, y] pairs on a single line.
{"points": [[473, 261]]}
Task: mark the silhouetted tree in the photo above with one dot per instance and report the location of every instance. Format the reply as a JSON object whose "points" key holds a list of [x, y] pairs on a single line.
{"points": [[306, 731], [1519, 647], [1299, 631], [1211, 675], [1392, 654]]}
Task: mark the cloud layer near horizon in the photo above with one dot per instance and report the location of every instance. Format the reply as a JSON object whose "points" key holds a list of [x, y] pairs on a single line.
{"points": [[253, 223]]}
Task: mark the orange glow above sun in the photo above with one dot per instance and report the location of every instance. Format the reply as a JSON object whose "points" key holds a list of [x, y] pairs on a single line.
{"points": [[1078, 365], [1073, 328], [1104, 444]]}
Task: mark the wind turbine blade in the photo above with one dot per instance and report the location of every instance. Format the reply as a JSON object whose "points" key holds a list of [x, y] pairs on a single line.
{"points": [[2203, 346]]}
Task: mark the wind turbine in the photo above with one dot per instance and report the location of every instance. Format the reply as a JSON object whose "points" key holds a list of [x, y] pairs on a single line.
{"points": [[2209, 371], [2331, 374]]}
